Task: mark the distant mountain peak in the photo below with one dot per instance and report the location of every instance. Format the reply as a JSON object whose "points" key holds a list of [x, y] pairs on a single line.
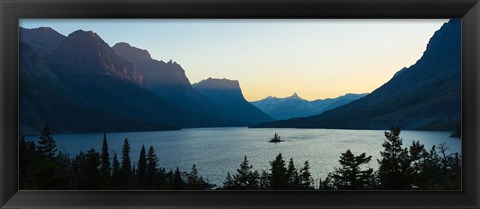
{"points": [[294, 96], [82, 34]]}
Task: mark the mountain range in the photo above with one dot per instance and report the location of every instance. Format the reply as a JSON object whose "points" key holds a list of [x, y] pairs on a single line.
{"points": [[424, 96], [294, 106], [79, 83]]}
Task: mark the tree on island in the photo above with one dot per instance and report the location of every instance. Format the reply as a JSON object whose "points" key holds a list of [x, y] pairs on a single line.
{"points": [[275, 139]]}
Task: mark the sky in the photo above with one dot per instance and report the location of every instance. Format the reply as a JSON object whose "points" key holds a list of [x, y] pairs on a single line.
{"points": [[316, 58]]}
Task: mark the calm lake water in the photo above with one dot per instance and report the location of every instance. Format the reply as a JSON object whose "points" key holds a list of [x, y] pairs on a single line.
{"points": [[216, 151]]}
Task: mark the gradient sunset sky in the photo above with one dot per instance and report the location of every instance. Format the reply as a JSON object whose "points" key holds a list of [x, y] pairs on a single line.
{"points": [[316, 58]]}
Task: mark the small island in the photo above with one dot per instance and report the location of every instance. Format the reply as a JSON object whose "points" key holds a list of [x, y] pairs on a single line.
{"points": [[275, 139]]}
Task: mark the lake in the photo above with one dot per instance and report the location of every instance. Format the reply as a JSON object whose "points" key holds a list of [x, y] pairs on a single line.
{"points": [[216, 151]]}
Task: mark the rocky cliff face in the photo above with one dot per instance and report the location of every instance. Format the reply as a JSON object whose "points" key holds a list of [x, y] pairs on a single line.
{"points": [[166, 79], [47, 96], [86, 53], [227, 95], [155, 72]]}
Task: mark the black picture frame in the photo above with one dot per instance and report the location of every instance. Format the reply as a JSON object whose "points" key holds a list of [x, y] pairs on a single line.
{"points": [[12, 10]]}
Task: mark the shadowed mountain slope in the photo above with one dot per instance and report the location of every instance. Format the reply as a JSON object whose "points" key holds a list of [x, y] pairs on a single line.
{"points": [[426, 95], [43, 41], [227, 95]]}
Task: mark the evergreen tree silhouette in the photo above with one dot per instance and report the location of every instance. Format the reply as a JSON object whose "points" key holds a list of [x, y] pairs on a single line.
{"points": [[278, 178], [115, 180], [245, 177], [350, 175], [105, 168], [142, 169], [47, 145], [126, 169], [293, 179], [28, 164], [91, 177], [152, 162], [395, 171], [306, 180], [177, 183], [194, 180], [229, 183]]}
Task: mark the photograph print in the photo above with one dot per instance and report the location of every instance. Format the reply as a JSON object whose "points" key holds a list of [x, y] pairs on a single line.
{"points": [[217, 104]]}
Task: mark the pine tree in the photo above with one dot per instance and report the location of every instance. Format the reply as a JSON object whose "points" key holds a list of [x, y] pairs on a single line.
{"points": [[78, 165], [306, 180], [245, 177], [177, 182], [47, 145], [152, 163], [91, 177], [142, 169], [64, 171], [278, 178], [292, 176], [28, 164], [168, 179], [194, 180], [133, 183], [48, 171], [264, 180], [105, 168], [229, 183], [126, 169], [350, 175], [115, 180], [395, 171], [429, 171], [328, 183]]}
